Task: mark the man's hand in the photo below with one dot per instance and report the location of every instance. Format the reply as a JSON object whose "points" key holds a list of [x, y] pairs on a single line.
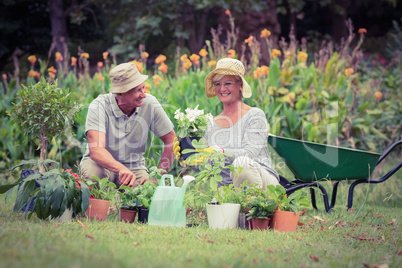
{"points": [[126, 177]]}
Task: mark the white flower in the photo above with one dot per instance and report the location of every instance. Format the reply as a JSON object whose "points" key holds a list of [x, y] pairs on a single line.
{"points": [[209, 117]]}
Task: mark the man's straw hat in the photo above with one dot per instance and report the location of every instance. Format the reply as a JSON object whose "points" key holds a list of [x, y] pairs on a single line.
{"points": [[125, 76], [227, 66]]}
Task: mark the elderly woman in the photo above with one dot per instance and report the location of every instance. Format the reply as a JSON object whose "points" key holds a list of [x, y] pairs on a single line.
{"points": [[240, 130]]}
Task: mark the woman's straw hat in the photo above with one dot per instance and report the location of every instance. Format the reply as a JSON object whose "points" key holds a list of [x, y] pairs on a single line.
{"points": [[125, 76], [227, 66]]}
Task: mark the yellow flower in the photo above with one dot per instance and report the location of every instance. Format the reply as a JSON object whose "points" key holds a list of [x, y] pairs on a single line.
{"points": [[264, 69], [187, 64], [163, 68], [184, 57], [32, 59], [58, 57], [84, 55], [231, 53], [265, 33], [211, 63], [195, 59], [144, 55], [275, 53], [302, 56], [349, 71], [105, 54], [73, 61], [203, 53], [160, 59], [249, 41]]}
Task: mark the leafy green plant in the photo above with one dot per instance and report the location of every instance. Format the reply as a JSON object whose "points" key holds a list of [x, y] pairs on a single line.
{"points": [[102, 189], [58, 190], [128, 198], [295, 202], [259, 203], [44, 111]]}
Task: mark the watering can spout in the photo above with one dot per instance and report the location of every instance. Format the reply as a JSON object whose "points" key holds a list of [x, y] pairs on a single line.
{"points": [[186, 180]]}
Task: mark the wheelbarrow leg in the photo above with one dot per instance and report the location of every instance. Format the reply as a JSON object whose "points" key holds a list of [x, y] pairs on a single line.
{"points": [[334, 192], [353, 185], [313, 200], [296, 187]]}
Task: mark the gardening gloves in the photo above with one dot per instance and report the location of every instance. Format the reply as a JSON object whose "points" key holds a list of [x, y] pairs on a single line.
{"points": [[194, 162]]}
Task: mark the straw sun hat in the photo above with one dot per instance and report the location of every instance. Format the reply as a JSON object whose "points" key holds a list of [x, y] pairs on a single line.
{"points": [[125, 76], [227, 66]]}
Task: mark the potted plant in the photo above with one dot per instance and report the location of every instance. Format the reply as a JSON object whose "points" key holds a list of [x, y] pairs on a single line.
{"points": [[190, 125], [260, 208], [128, 207], [102, 193], [60, 193], [287, 214], [224, 211]]}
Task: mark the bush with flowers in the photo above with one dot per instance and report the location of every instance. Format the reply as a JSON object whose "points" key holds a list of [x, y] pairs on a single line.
{"points": [[58, 190]]}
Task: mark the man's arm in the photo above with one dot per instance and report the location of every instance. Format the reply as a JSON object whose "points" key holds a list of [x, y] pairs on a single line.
{"points": [[167, 157], [98, 153]]}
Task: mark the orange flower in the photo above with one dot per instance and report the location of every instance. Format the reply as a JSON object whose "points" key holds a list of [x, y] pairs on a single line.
{"points": [[249, 41], [156, 79], [4, 76], [349, 71], [187, 64], [203, 53], [302, 56], [362, 31], [264, 69], [163, 68], [32, 59], [260, 71], [147, 88], [105, 54], [231, 53], [85, 55], [275, 53], [265, 33], [139, 65], [378, 95], [73, 61], [52, 75], [100, 64], [33, 73], [160, 59], [195, 58], [144, 55], [100, 77], [59, 57], [211, 63], [52, 70], [227, 12], [184, 57]]}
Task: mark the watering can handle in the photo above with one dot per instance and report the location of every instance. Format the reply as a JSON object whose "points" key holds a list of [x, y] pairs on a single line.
{"points": [[162, 182]]}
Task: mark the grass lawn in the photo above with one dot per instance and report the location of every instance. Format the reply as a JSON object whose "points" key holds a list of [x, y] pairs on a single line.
{"points": [[367, 236]]}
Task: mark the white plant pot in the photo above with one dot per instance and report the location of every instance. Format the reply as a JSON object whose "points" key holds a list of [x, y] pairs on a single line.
{"points": [[66, 216], [224, 216]]}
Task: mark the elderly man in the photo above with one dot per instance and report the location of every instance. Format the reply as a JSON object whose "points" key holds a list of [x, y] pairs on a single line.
{"points": [[117, 127]]}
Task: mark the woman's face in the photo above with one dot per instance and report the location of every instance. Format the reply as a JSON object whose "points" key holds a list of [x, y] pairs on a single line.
{"points": [[228, 89]]}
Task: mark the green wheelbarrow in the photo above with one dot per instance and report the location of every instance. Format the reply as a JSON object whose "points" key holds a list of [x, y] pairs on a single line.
{"points": [[312, 162]]}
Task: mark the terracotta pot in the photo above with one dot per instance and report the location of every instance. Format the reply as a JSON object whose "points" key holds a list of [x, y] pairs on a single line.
{"points": [[127, 215], [97, 209], [284, 221], [259, 224]]}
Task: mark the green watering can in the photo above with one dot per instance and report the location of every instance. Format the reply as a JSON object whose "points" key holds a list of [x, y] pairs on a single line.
{"points": [[167, 208]]}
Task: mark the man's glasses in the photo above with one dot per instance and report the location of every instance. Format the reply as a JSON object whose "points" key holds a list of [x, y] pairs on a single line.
{"points": [[226, 84]]}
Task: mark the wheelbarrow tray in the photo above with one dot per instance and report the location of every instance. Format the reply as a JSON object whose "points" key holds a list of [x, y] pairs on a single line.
{"points": [[318, 162]]}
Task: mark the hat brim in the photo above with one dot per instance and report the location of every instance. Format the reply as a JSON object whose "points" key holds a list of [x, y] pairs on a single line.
{"points": [[123, 89], [209, 85]]}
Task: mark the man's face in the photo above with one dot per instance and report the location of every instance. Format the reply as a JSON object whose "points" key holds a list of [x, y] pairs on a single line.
{"points": [[134, 97]]}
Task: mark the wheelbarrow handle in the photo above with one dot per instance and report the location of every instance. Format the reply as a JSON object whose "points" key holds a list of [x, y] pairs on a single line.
{"points": [[388, 151]]}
